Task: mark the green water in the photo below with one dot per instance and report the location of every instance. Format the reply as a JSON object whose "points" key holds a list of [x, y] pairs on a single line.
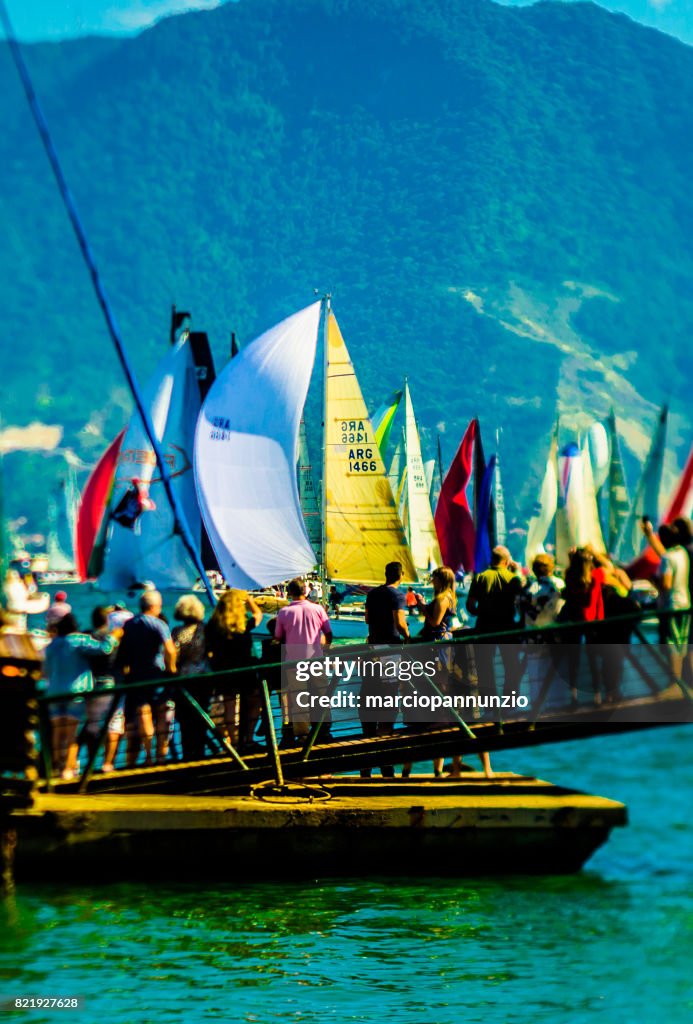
{"points": [[611, 944]]}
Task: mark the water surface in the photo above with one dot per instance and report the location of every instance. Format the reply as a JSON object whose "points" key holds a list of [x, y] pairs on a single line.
{"points": [[610, 944]]}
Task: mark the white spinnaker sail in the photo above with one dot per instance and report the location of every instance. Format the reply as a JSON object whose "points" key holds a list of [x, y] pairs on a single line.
{"points": [[541, 521], [246, 451], [152, 550], [419, 526]]}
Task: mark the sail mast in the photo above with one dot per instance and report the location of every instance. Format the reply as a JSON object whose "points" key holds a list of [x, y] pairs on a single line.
{"points": [[326, 306]]}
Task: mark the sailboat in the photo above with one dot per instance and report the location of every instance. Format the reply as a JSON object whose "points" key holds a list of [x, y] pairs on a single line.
{"points": [[419, 525], [396, 474], [545, 510], [247, 448], [680, 504], [92, 521], [125, 529], [647, 495], [363, 530], [499, 525], [467, 532], [408, 476], [577, 517], [60, 541], [454, 520], [410, 479], [383, 419], [618, 502], [568, 498]]}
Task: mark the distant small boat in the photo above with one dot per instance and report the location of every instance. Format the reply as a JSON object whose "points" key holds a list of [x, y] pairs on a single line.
{"points": [[62, 516], [410, 482], [646, 501], [468, 531], [577, 516]]}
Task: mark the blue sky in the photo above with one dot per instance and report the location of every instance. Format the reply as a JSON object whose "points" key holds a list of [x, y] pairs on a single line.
{"points": [[672, 16], [58, 19]]}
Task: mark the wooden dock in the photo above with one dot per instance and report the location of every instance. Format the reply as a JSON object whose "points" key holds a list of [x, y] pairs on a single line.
{"points": [[337, 827], [350, 752]]}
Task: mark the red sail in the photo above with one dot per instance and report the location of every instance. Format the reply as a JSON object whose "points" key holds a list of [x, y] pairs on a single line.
{"points": [[645, 565], [682, 496], [453, 518], [92, 506]]}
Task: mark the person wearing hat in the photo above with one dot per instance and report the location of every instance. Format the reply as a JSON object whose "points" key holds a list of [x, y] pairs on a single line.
{"points": [[58, 609]]}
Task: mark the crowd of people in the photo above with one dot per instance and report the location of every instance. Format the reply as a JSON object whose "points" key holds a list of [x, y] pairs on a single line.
{"points": [[592, 600]]}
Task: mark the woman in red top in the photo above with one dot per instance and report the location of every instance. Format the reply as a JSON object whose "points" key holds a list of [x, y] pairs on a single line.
{"points": [[584, 602]]}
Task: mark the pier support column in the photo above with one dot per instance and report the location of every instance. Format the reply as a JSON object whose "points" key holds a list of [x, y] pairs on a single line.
{"points": [[8, 844]]}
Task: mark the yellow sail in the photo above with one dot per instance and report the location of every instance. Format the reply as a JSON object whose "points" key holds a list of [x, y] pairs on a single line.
{"points": [[362, 529]]}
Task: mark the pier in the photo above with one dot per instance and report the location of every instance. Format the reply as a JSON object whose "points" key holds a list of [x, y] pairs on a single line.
{"points": [[506, 825], [299, 810]]}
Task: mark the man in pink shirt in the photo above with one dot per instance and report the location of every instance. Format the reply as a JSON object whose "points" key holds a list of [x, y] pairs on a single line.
{"points": [[301, 627]]}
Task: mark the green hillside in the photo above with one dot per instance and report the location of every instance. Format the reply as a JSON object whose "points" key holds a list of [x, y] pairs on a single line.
{"points": [[498, 199]]}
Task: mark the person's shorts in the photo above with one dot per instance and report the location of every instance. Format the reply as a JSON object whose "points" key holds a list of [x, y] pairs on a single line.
{"points": [[69, 709], [675, 630], [142, 697], [97, 709]]}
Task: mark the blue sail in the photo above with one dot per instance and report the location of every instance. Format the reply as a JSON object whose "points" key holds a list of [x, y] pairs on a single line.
{"points": [[482, 546]]}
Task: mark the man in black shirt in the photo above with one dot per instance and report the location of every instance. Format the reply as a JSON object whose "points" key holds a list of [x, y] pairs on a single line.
{"points": [[386, 608], [387, 624]]}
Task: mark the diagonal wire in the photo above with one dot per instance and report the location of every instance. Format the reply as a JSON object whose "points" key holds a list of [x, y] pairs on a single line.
{"points": [[181, 523]]}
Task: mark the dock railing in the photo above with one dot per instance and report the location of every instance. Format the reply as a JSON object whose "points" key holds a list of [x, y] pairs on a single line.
{"points": [[498, 689]]}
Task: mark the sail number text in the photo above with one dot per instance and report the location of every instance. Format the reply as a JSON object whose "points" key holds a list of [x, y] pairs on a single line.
{"points": [[361, 460], [353, 431]]}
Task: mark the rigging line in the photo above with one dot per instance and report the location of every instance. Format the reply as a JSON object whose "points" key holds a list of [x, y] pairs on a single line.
{"points": [[41, 124]]}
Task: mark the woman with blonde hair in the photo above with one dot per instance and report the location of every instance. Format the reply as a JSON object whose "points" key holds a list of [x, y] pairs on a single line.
{"points": [[440, 612], [191, 647], [229, 645]]}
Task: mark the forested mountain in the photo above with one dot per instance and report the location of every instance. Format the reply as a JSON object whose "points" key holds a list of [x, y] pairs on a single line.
{"points": [[498, 198]]}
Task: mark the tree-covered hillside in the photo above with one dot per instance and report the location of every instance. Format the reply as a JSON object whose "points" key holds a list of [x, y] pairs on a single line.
{"points": [[498, 199]]}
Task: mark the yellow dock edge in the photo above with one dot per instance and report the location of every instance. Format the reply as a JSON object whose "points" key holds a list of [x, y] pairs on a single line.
{"points": [[322, 827]]}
